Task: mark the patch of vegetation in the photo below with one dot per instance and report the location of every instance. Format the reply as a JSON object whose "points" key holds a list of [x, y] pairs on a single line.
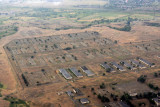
{"points": [[148, 95], [157, 74], [84, 86], [141, 104], [114, 97], [142, 79], [152, 24], [14, 102], [0, 94], [126, 97], [8, 30], [103, 98], [1, 85], [25, 80], [68, 48], [127, 27], [153, 87], [102, 86]]}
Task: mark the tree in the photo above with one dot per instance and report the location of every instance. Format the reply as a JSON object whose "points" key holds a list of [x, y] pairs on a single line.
{"points": [[84, 86], [68, 48], [32, 57], [92, 89], [108, 70], [99, 96], [126, 97], [103, 98], [55, 46], [155, 74], [63, 57], [115, 41], [74, 47], [104, 74], [141, 79], [102, 86], [42, 70], [15, 29], [1, 85]]}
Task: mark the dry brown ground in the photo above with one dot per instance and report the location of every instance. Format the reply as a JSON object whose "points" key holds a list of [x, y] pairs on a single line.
{"points": [[4, 103], [47, 94], [136, 102]]}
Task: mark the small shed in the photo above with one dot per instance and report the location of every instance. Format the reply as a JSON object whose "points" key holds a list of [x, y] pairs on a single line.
{"points": [[70, 93], [84, 101]]}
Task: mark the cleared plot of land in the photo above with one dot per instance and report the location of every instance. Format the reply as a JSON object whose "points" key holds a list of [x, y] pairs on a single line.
{"points": [[28, 55], [133, 87], [64, 51], [145, 47]]}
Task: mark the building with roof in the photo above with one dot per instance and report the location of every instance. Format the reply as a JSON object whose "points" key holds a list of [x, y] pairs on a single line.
{"points": [[129, 66], [76, 72], [77, 91], [137, 64], [84, 101], [134, 62], [107, 67], [146, 62], [87, 71], [65, 74], [117, 66], [70, 93]]}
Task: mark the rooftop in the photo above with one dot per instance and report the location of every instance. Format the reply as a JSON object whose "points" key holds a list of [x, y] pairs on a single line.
{"points": [[76, 72], [134, 62], [65, 74], [84, 100], [117, 66], [84, 68], [145, 61], [107, 67], [69, 93], [87, 71], [128, 65]]}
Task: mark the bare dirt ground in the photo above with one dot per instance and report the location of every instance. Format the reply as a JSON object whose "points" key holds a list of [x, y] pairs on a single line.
{"points": [[136, 102], [46, 94]]}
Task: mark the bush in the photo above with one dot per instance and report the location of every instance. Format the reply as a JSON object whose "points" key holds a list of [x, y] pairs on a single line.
{"points": [[102, 86], [153, 87], [84, 86], [1, 85], [68, 48], [92, 89], [126, 97], [103, 98], [155, 74], [142, 79]]}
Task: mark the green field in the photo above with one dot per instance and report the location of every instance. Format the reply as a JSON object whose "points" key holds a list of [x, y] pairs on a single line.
{"points": [[68, 17], [6, 31]]}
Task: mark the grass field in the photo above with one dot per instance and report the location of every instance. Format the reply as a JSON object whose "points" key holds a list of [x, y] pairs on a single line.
{"points": [[6, 31]]}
